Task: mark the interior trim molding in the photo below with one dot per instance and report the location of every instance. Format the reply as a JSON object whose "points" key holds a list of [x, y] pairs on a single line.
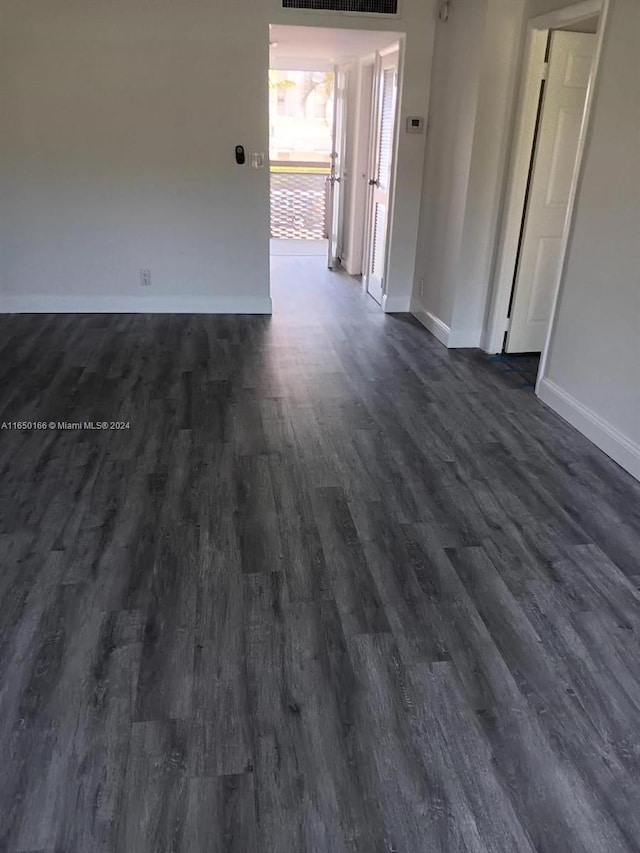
{"points": [[610, 440], [61, 304], [451, 338], [434, 324]]}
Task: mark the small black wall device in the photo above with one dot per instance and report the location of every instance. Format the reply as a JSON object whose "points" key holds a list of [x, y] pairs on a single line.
{"points": [[240, 158]]}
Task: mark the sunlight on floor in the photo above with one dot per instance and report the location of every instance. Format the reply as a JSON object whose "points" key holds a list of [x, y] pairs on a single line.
{"points": [[299, 247]]}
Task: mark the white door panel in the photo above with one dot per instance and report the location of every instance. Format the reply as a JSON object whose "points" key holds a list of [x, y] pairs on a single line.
{"points": [[563, 158], [546, 263], [578, 69], [384, 121], [570, 62]]}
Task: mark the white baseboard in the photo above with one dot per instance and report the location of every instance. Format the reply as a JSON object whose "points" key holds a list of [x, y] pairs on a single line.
{"points": [[605, 436], [52, 304], [434, 324], [396, 304], [451, 338]]}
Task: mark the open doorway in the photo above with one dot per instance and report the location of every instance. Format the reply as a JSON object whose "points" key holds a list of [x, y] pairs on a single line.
{"points": [[301, 143], [559, 66], [333, 99]]}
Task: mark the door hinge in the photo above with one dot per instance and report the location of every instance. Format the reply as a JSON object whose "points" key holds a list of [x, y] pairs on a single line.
{"points": [[545, 70]]}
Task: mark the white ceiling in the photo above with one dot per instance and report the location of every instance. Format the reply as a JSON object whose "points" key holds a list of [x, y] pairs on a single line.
{"points": [[328, 45]]}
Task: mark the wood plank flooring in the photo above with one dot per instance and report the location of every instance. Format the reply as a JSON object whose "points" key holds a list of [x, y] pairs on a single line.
{"points": [[335, 590]]}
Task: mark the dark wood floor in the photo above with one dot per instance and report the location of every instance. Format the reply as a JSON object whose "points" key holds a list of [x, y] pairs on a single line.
{"points": [[336, 589]]}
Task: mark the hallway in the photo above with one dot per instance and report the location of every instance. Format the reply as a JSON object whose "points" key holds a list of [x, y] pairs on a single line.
{"points": [[335, 588]]}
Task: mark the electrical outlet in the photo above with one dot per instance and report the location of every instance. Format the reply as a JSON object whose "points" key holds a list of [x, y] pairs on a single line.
{"points": [[145, 278]]}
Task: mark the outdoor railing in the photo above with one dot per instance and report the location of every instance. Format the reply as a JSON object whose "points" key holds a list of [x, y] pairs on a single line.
{"points": [[298, 200]]}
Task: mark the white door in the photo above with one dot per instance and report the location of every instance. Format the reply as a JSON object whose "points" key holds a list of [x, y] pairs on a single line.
{"points": [[384, 119], [335, 202], [540, 256]]}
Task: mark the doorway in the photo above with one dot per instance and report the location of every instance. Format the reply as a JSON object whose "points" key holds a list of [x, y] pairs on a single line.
{"points": [[555, 150], [301, 144], [333, 96], [557, 78]]}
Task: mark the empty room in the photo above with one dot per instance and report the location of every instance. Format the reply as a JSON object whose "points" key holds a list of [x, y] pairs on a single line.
{"points": [[319, 426]]}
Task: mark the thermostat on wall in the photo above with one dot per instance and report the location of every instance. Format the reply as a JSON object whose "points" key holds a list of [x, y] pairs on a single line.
{"points": [[415, 124]]}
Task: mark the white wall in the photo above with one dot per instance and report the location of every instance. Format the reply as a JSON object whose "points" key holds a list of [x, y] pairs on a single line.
{"points": [[488, 170], [454, 92], [119, 121], [592, 376], [117, 154], [475, 72]]}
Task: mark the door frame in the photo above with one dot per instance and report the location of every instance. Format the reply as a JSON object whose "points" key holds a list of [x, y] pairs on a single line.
{"points": [[395, 47], [534, 56]]}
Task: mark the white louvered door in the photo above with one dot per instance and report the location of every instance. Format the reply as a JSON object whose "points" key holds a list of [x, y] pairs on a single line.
{"points": [[335, 202], [381, 171]]}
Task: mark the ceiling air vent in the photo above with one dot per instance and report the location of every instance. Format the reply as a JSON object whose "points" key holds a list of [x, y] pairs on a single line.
{"points": [[367, 7]]}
